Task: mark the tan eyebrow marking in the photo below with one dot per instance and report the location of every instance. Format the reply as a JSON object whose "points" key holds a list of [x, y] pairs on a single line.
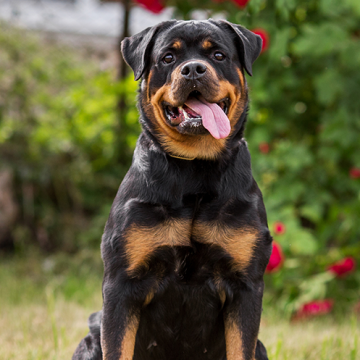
{"points": [[177, 44], [207, 44]]}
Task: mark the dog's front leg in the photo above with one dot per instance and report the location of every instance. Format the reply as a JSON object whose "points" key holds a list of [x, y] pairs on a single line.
{"points": [[242, 321], [121, 317]]}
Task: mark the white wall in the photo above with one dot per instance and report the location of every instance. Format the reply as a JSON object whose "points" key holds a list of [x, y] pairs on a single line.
{"points": [[88, 17]]}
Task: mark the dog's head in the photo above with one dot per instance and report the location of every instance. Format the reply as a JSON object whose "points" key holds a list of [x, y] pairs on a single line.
{"points": [[193, 90]]}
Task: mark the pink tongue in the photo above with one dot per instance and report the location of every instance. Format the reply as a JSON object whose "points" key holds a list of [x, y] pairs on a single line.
{"points": [[213, 118]]}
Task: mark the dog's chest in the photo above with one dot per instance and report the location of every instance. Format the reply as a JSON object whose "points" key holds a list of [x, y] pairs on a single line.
{"points": [[215, 239], [170, 329], [184, 320]]}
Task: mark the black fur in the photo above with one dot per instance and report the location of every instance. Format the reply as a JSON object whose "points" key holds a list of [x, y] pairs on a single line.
{"points": [[90, 347], [196, 288], [248, 45]]}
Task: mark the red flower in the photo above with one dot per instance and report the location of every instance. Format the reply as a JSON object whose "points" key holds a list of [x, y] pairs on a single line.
{"points": [[343, 266], [241, 3], [314, 308], [265, 38], [279, 228], [354, 173], [264, 147], [276, 259], [154, 6]]}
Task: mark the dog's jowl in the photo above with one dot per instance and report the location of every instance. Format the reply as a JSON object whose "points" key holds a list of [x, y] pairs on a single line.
{"points": [[186, 243]]}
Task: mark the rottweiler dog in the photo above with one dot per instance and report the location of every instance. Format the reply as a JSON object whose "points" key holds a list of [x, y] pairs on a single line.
{"points": [[187, 242]]}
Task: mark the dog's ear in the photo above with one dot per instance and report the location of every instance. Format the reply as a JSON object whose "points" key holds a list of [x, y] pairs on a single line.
{"points": [[136, 49], [247, 43]]}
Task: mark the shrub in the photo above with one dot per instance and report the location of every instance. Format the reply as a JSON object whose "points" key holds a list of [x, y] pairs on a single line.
{"points": [[59, 133], [303, 134]]}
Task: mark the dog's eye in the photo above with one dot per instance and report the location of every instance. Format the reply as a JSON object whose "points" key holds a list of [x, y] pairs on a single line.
{"points": [[168, 58], [219, 56]]}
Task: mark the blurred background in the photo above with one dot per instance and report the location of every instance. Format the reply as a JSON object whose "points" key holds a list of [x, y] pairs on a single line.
{"points": [[68, 127]]}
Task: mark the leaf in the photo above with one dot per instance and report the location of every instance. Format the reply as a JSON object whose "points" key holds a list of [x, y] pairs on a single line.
{"points": [[303, 243], [319, 40], [329, 84]]}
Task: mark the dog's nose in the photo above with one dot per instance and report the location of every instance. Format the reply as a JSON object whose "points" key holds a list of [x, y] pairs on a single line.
{"points": [[193, 70]]}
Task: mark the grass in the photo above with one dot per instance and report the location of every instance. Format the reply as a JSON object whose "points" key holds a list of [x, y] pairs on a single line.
{"points": [[45, 302]]}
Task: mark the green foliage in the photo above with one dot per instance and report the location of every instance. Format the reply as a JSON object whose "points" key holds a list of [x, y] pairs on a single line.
{"points": [[305, 104], [60, 133]]}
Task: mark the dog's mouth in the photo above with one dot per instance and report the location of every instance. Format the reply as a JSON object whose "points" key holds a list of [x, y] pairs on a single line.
{"points": [[196, 115]]}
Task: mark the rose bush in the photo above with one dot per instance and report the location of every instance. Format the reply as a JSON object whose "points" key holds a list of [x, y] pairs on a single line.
{"points": [[304, 107]]}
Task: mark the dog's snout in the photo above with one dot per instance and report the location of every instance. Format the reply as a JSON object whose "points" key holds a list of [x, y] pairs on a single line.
{"points": [[193, 70]]}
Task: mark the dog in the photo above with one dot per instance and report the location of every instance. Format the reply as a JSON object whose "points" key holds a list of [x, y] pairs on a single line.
{"points": [[187, 242]]}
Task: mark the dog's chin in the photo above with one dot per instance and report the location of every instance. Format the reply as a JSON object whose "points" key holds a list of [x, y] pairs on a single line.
{"points": [[187, 121]]}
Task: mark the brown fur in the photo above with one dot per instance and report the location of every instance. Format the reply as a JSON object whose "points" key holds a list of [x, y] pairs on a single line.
{"points": [[142, 241], [128, 343], [207, 44], [176, 44], [233, 339], [193, 146], [239, 243]]}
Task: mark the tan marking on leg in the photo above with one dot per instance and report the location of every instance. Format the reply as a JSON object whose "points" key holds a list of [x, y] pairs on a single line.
{"points": [[238, 243], [128, 342], [102, 341], [142, 241], [233, 341]]}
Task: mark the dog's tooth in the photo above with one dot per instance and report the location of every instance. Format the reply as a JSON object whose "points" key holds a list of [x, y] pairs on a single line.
{"points": [[185, 114]]}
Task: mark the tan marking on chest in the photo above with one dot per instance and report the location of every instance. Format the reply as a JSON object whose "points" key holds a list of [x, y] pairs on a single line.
{"points": [[238, 243], [219, 288], [141, 241], [149, 297]]}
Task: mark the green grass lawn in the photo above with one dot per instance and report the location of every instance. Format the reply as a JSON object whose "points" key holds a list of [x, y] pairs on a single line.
{"points": [[45, 302]]}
